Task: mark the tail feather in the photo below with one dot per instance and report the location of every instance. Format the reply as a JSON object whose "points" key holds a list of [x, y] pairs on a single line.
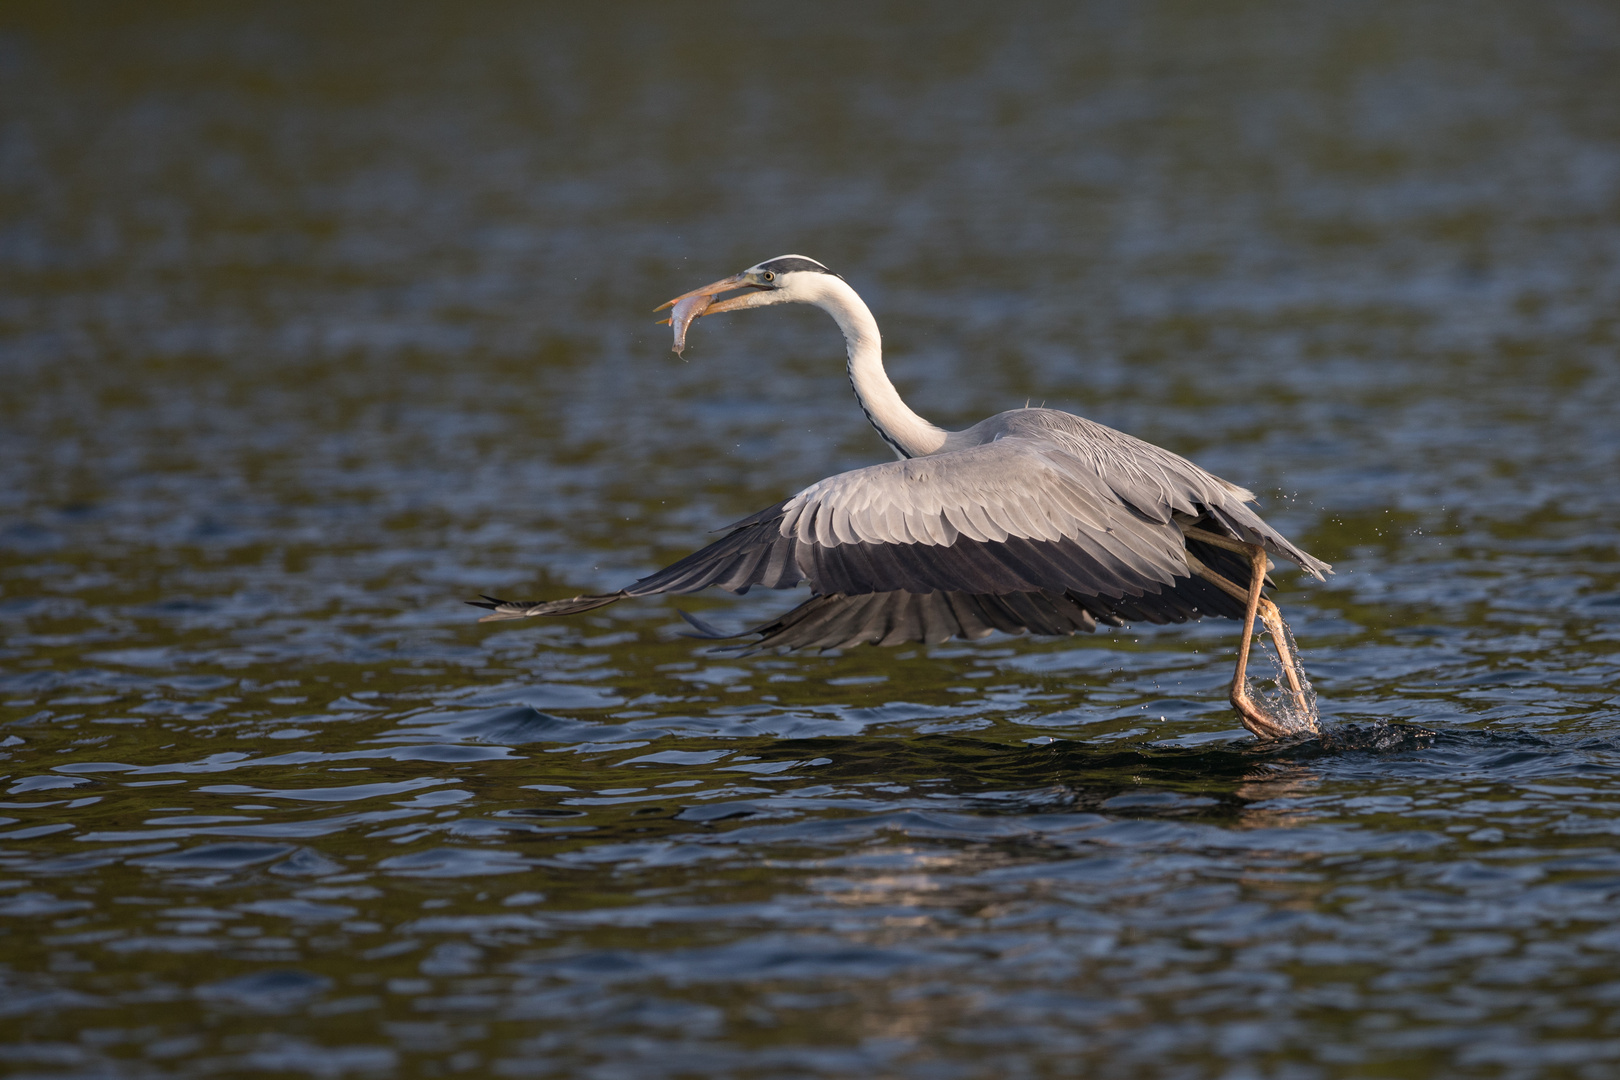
{"points": [[522, 609]]}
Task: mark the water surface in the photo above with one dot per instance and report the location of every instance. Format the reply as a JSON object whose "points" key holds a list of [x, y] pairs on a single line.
{"points": [[314, 324]]}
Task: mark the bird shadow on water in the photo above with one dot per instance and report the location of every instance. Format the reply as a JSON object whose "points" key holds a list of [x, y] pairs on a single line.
{"points": [[1211, 783], [986, 776]]}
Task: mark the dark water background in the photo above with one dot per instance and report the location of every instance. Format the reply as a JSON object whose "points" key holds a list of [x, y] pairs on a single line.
{"points": [[315, 322]]}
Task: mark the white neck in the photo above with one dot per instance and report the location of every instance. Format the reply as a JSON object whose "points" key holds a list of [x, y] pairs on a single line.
{"points": [[908, 433]]}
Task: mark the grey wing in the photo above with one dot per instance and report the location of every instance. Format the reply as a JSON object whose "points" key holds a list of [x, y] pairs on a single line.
{"points": [[1068, 516], [1026, 512], [1013, 515], [1156, 483]]}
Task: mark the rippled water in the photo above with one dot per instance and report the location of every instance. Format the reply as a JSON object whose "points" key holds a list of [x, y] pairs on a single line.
{"points": [[314, 324]]}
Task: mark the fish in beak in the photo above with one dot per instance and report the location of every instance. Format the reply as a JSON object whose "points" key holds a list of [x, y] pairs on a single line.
{"points": [[688, 306]]}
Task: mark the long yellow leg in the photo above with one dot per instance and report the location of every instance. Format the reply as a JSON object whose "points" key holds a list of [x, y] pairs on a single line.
{"points": [[1253, 719]]}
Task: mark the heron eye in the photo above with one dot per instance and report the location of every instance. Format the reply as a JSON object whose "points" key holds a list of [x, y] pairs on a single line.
{"points": [[770, 275]]}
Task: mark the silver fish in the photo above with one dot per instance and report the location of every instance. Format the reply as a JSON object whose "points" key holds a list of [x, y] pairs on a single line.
{"points": [[682, 316]]}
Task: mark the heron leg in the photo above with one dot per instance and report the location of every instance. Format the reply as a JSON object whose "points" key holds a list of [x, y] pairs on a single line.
{"points": [[1253, 719], [1248, 709], [1290, 660]]}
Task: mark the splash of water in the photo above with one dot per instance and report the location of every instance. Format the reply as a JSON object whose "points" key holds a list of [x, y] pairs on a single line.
{"points": [[1286, 695]]}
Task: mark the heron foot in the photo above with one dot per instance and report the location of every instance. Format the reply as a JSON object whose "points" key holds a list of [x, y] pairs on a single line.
{"points": [[1256, 720]]}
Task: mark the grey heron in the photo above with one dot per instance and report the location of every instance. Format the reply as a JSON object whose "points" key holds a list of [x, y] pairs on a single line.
{"points": [[1033, 520]]}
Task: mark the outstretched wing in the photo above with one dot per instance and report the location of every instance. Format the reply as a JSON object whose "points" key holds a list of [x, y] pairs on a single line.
{"points": [[1043, 513]]}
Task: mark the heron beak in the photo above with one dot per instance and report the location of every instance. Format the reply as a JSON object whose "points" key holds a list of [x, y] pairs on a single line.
{"points": [[735, 281]]}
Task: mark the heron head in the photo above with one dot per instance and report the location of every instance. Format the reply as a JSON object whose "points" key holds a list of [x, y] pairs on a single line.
{"points": [[785, 279]]}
